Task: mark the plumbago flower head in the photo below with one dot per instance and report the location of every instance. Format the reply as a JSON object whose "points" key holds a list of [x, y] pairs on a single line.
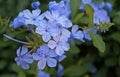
{"points": [[44, 55], [23, 57], [55, 29]]}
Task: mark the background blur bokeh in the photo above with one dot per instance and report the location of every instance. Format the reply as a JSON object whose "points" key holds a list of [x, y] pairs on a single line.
{"points": [[82, 61]]}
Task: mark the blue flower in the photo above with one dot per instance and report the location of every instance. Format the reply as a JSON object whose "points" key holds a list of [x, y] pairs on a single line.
{"points": [[18, 21], [86, 1], [35, 5], [62, 7], [23, 57], [60, 44], [77, 34], [60, 70], [33, 18], [60, 58], [61, 21], [108, 6], [57, 18], [45, 56], [101, 15], [46, 29], [86, 35], [43, 74]]}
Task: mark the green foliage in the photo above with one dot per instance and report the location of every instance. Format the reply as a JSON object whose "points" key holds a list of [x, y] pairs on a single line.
{"points": [[98, 42], [74, 5], [90, 13], [81, 59], [103, 27], [76, 70]]}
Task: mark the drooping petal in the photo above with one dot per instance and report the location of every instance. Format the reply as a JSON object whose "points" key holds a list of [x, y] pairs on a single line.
{"points": [[42, 63], [43, 74], [24, 50], [52, 44], [18, 51], [51, 62], [65, 46], [74, 28], [25, 65]]}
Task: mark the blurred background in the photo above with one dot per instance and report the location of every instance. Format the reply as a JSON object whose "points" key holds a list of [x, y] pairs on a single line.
{"points": [[82, 61]]}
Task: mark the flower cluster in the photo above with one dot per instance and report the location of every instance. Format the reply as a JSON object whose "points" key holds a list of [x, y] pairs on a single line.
{"points": [[56, 31]]}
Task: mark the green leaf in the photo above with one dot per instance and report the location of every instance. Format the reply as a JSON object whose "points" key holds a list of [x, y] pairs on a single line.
{"points": [[21, 74], [74, 5], [74, 49], [2, 64], [98, 42], [77, 17], [90, 13], [100, 1], [119, 60], [75, 71], [116, 36], [111, 61]]}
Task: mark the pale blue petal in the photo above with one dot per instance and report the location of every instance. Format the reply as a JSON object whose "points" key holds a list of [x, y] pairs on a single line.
{"points": [[40, 30], [59, 51], [52, 44], [52, 53], [36, 12], [18, 51], [24, 50], [25, 65], [27, 13], [48, 15], [28, 58], [36, 56], [65, 46], [65, 22], [43, 74], [42, 63], [46, 37], [51, 62], [45, 49], [74, 28]]}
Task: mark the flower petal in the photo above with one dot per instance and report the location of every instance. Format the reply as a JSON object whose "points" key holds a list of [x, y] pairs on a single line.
{"points": [[65, 46], [52, 44], [18, 51], [24, 50], [36, 12], [42, 63], [59, 51], [25, 65], [74, 28], [27, 13], [28, 58], [51, 62], [46, 37]]}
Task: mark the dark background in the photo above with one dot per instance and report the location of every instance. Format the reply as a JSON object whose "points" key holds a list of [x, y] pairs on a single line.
{"points": [[86, 61]]}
